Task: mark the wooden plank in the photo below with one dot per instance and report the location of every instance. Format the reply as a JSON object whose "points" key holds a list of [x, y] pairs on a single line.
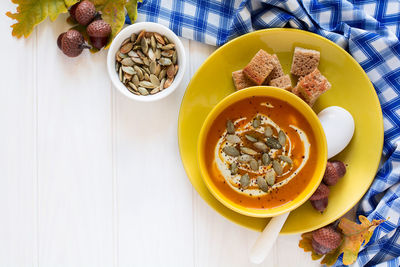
{"points": [[154, 194], [74, 155], [17, 142]]}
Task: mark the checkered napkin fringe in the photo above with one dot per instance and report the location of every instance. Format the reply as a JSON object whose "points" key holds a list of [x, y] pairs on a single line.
{"points": [[367, 29]]}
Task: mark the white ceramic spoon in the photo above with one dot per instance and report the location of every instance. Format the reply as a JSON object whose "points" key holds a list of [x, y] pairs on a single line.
{"points": [[338, 125]]}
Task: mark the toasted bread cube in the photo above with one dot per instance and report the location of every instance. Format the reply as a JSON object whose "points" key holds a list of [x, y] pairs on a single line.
{"points": [[304, 61], [259, 67], [311, 86], [240, 80], [277, 70], [283, 82]]}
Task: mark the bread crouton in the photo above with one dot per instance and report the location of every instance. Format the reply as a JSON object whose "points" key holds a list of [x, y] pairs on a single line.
{"points": [[259, 67], [240, 80], [311, 86], [277, 71], [283, 82], [304, 61]]}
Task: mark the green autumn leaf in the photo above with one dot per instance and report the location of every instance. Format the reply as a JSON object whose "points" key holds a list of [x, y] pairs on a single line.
{"points": [[305, 243], [71, 2], [32, 12], [354, 235], [113, 12], [131, 8]]}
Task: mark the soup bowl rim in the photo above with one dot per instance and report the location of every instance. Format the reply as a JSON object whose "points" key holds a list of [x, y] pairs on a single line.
{"points": [[296, 103]]}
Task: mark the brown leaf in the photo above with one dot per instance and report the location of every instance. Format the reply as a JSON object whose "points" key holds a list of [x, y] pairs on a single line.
{"points": [[354, 235], [305, 243]]}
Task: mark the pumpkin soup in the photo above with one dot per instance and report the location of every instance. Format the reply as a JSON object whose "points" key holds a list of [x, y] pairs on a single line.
{"points": [[261, 152]]}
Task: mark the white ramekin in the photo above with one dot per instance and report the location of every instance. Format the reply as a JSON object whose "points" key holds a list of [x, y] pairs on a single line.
{"points": [[150, 27]]}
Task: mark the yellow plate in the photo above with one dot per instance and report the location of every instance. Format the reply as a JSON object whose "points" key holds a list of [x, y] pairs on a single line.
{"points": [[351, 89]]}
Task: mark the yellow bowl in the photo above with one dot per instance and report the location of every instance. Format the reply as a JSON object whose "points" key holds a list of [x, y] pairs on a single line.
{"points": [[310, 117]]}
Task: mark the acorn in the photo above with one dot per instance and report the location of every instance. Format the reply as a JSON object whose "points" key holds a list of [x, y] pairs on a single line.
{"points": [[334, 171], [320, 204], [321, 192], [325, 240], [72, 43], [84, 12], [319, 200], [72, 10], [99, 31], [59, 39]]}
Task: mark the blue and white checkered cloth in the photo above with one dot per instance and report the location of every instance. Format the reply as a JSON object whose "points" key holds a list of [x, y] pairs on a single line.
{"points": [[368, 29]]}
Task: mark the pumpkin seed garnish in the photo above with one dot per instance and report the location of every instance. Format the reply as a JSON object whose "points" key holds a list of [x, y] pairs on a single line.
{"points": [[265, 159], [248, 151], [153, 42], [133, 54], [143, 91], [162, 84], [152, 67], [151, 54], [146, 84], [231, 151], [168, 82], [144, 46], [155, 90], [261, 146], [120, 74], [137, 60], [128, 70], [133, 86], [122, 55], [127, 40], [234, 168], [282, 138], [162, 74], [273, 143], [174, 58], [245, 158], [167, 53], [244, 181], [268, 131], [135, 80], [277, 167], [256, 123], [254, 165], [270, 177], [262, 184], [286, 159], [126, 48], [168, 47], [159, 38], [234, 139], [154, 80], [127, 62], [230, 127], [133, 37], [251, 138], [164, 61], [171, 70]]}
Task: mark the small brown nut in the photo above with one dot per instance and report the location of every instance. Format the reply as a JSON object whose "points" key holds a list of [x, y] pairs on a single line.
{"points": [[321, 192], [320, 205], [325, 240], [334, 171]]}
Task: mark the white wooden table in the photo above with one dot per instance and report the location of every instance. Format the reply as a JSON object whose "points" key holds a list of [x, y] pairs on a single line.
{"points": [[91, 178]]}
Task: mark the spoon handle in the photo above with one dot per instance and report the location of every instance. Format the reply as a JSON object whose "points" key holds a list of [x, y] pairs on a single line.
{"points": [[267, 238]]}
